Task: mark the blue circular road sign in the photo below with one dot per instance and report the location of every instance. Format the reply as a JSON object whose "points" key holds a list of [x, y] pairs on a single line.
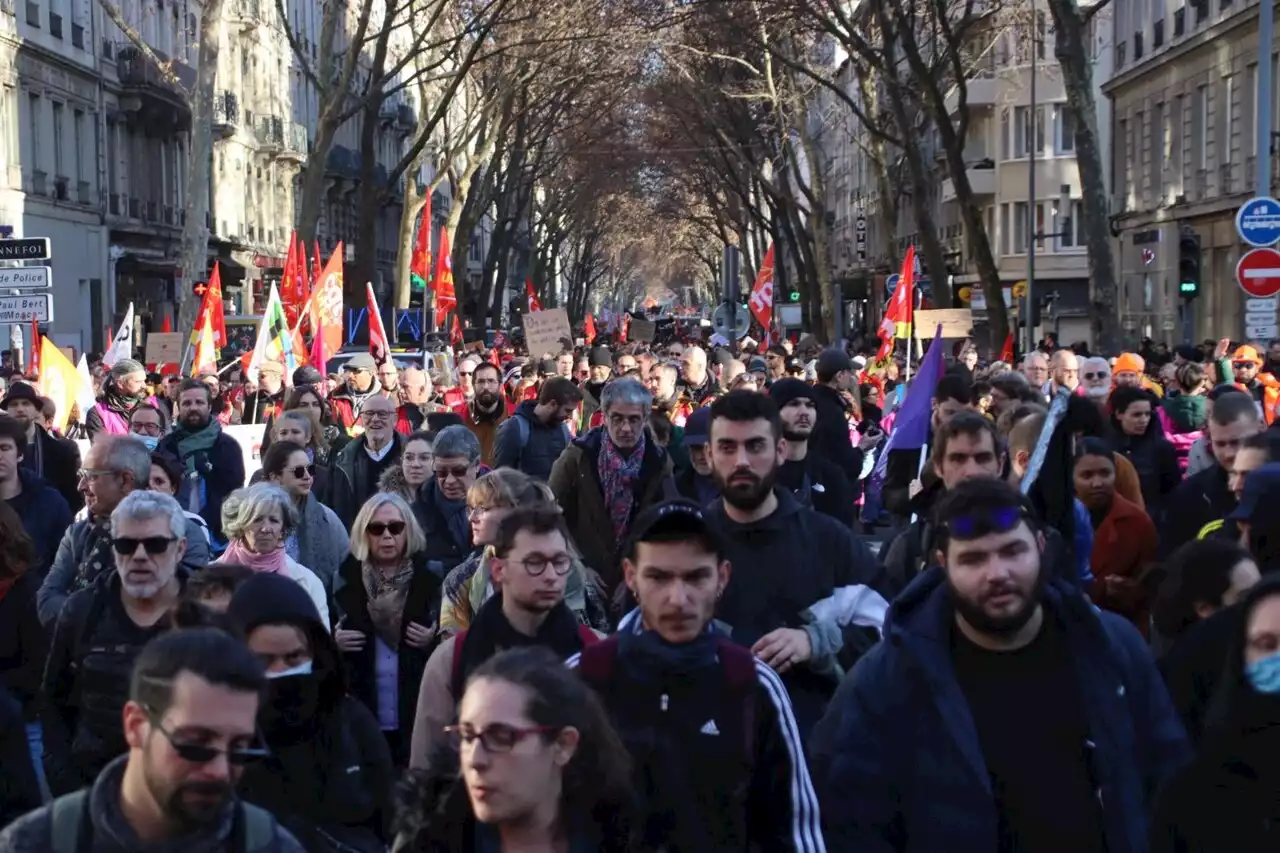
{"points": [[891, 283], [1258, 221]]}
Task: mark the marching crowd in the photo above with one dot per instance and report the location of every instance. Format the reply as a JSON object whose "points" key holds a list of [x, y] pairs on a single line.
{"points": [[648, 597]]}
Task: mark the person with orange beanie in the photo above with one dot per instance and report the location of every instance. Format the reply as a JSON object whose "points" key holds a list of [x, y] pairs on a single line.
{"points": [[1246, 365], [1129, 371]]}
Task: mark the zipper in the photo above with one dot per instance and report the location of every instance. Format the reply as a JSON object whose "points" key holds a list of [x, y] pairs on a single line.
{"points": [[664, 703]]}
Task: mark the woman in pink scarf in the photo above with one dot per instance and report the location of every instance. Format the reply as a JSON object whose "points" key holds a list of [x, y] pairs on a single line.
{"points": [[258, 520]]}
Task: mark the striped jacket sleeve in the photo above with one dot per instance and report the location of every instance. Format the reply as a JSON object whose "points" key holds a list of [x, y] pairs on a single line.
{"points": [[783, 808]]}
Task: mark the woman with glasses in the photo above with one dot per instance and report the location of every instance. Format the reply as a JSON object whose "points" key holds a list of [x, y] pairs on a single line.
{"points": [[534, 764], [390, 601], [302, 426], [414, 469], [319, 542], [257, 521], [328, 773], [441, 502]]}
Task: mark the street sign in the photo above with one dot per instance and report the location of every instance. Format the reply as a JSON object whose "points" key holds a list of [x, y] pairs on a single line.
{"points": [[891, 283], [1259, 273], [28, 249], [26, 278], [1258, 221], [18, 309]]}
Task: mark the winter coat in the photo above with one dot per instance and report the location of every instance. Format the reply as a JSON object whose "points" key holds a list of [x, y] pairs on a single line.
{"points": [[392, 480], [1193, 668], [19, 788], [354, 475], [444, 552], [830, 438], [64, 577], [322, 542], [538, 454], [1124, 545], [56, 461], [897, 761], [221, 469], [23, 644], [575, 481], [485, 428], [1156, 462], [1201, 498], [45, 517]]}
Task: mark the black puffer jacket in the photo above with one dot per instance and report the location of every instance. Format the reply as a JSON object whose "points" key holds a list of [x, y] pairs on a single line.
{"points": [[535, 454], [446, 547]]}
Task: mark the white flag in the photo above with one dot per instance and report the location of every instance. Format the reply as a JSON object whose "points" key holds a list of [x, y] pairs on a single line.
{"points": [[84, 395], [122, 343]]}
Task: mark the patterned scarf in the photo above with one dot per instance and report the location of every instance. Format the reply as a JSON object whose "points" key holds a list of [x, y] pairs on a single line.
{"points": [[387, 597], [98, 557], [618, 476]]}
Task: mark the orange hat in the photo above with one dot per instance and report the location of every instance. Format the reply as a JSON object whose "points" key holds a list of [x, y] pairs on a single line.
{"points": [[1246, 353], [1128, 363]]}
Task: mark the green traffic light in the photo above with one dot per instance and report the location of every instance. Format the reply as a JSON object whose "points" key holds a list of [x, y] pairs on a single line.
{"points": [[1188, 287], [795, 296]]}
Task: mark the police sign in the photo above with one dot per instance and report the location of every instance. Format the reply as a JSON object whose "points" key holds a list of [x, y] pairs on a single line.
{"points": [[1258, 221]]}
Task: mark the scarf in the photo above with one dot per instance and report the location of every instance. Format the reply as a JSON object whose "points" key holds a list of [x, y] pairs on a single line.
{"points": [[273, 562], [98, 557], [200, 441], [387, 597], [653, 660], [618, 476], [113, 398], [490, 633], [455, 516]]}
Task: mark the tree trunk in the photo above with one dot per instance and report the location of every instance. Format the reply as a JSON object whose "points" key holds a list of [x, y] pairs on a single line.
{"points": [[414, 203], [368, 196], [311, 204]]}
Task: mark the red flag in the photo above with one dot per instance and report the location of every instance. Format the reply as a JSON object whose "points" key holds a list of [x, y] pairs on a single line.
{"points": [[34, 369], [535, 304], [213, 304], [317, 346], [324, 309], [589, 329], [897, 316], [1006, 351], [379, 345], [420, 260], [455, 332], [316, 267], [624, 327], [290, 285], [442, 279], [762, 293]]}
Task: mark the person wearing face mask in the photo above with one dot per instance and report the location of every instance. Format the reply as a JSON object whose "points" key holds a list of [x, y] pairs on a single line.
{"points": [[319, 542], [212, 461], [146, 423], [258, 521], [329, 773], [487, 409], [53, 459], [1229, 790], [406, 478]]}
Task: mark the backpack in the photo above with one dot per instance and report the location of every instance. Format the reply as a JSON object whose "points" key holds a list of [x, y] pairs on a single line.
{"points": [[588, 638], [72, 826], [738, 668], [522, 427]]}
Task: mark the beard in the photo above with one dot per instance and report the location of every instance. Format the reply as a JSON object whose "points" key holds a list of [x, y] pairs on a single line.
{"points": [[486, 399], [975, 614], [1097, 392], [195, 420], [799, 432], [750, 490], [191, 805]]}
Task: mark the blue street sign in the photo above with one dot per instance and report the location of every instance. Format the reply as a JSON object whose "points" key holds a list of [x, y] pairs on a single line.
{"points": [[1258, 221], [891, 283]]}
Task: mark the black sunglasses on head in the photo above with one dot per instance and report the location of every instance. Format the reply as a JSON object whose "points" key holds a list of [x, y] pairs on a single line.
{"points": [[127, 545]]}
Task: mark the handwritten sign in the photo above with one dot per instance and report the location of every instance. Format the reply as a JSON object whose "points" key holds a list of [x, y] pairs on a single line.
{"points": [[956, 323], [164, 348], [543, 331], [642, 331]]}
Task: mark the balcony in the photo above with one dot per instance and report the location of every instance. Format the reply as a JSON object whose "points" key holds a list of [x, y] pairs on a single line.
{"points": [[979, 92], [982, 181], [226, 115], [246, 14], [343, 163], [406, 118], [269, 131], [158, 99], [296, 143]]}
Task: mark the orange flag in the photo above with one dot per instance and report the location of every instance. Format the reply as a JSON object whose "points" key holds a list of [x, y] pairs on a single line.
{"points": [[442, 279], [455, 332], [324, 308], [589, 329]]}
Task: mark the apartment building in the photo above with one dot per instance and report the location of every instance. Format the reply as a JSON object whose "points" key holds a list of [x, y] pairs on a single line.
{"points": [[1184, 99]]}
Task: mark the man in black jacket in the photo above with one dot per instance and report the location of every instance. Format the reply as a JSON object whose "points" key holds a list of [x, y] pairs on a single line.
{"points": [[803, 593], [718, 763], [213, 464], [814, 481], [354, 472], [837, 375], [532, 439], [45, 515], [55, 460], [441, 504]]}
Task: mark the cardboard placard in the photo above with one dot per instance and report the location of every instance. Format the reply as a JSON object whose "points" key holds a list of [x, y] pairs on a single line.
{"points": [[642, 331], [955, 322], [164, 348], [543, 331]]}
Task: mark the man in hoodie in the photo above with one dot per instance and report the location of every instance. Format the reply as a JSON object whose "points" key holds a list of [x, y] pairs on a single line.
{"points": [[697, 482], [53, 459], [802, 595], [329, 774], [718, 763], [1003, 712], [487, 409], [535, 435], [814, 481], [189, 730], [45, 515]]}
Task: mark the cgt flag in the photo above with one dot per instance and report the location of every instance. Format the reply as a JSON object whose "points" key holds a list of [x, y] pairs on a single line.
{"points": [[420, 260], [324, 309], [379, 347], [442, 280], [897, 316], [762, 293], [535, 304]]}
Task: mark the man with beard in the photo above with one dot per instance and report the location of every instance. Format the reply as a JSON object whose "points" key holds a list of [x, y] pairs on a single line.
{"points": [[487, 409], [124, 387], [814, 481], [189, 731], [263, 405], [696, 383], [801, 594], [600, 367], [1003, 712], [100, 631], [361, 386], [1246, 365], [389, 379], [213, 466], [1064, 372], [537, 432], [1095, 378], [45, 455]]}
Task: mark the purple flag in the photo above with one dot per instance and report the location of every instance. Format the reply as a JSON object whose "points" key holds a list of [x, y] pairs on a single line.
{"points": [[911, 426]]}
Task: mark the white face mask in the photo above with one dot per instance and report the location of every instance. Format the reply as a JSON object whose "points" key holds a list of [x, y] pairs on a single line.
{"points": [[300, 669]]}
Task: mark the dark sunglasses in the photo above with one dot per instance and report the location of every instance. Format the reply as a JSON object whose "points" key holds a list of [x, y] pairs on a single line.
{"points": [[1243, 365], [299, 470], [128, 545], [1095, 376], [377, 528], [197, 753], [1000, 520], [457, 473]]}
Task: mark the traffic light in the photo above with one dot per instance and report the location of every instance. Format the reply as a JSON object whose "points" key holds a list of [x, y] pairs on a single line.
{"points": [[1189, 265]]}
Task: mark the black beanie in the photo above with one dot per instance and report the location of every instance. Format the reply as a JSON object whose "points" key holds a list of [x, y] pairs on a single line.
{"points": [[785, 390], [600, 357], [269, 599]]}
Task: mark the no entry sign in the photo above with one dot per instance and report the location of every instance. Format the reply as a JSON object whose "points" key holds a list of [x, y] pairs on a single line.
{"points": [[1259, 273]]}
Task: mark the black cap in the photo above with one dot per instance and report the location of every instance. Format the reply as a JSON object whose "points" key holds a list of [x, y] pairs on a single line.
{"points": [[785, 390], [697, 427], [21, 391], [1261, 493], [600, 357], [678, 519], [307, 375], [547, 367], [832, 361]]}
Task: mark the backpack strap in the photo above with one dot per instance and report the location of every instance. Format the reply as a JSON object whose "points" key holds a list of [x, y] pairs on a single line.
{"points": [[257, 827], [522, 426], [455, 676], [739, 695], [71, 827], [587, 637], [595, 664]]}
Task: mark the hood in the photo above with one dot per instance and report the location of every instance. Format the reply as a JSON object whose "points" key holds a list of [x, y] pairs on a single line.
{"points": [[392, 480], [1187, 412], [526, 410], [780, 519]]}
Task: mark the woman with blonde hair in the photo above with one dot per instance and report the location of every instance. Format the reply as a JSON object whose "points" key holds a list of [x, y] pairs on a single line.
{"points": [[489, 500]]}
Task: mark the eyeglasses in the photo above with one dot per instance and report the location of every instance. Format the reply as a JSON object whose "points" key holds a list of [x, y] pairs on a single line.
{"points": [[90, 473], [476, 511], [145, 429], [128, 545], [999, 520], [1095, 376], [536, 564], [456, 472], [300, 470], [496, 737], [375, 414], [466, 372], [1243, 365], [198, 753], [377, 528]]}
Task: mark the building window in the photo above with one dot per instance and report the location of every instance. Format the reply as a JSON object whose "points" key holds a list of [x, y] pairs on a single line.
{"points": [[1005, 229], [1229, 127], [1021, 131], [1200, 127], [33, 118], [1070, 228], [1250, 128], [1021, 219], [1064, 130], [1120, 149], [58, 110], [1179, 21], [1004, 133], [1157, 160]]}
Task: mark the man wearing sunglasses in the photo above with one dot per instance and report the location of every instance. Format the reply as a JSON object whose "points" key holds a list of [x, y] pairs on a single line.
{"points": [[189, 730], [1003, 710], [99, 633], [1246, 365]]}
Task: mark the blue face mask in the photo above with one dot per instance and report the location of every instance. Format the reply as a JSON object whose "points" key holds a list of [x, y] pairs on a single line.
{"points": [[1264, 674], [149, 440], [300, 669]]}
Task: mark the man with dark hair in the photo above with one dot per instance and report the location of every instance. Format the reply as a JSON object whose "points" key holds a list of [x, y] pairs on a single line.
{"points": [[529, 568], [1002, 712], [264, 404], [1206, 496], [52, 459], [837, 375], [45, 515], [487, 409], [213, 465], [904, 476], [679, 691], [815, 482], [190, 728], [535, 435], [802, 593]]}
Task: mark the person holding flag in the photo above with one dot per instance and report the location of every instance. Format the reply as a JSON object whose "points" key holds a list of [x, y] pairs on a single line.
{"points": [[273, 359]]}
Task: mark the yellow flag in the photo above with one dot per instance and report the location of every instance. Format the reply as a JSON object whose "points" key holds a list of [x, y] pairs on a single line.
{"points": [[59, 381]]}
